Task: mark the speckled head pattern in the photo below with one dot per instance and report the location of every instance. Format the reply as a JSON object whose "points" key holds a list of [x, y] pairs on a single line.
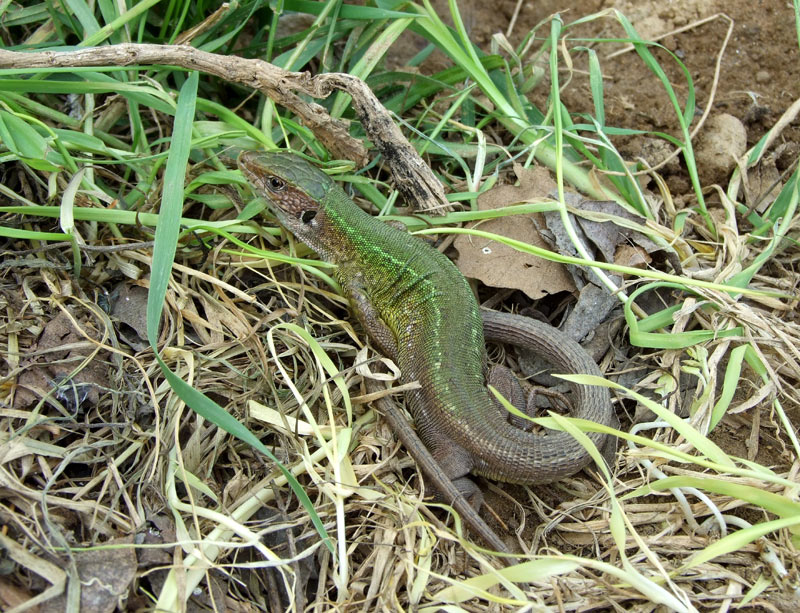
{"points": [[298, 193], [289, 183]]}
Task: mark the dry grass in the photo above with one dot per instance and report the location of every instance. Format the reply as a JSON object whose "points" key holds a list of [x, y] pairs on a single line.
{"points": [[112, 488], [78, 470]]}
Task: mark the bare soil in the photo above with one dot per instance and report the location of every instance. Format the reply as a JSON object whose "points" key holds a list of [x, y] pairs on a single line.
{"points": [[759, 76]]}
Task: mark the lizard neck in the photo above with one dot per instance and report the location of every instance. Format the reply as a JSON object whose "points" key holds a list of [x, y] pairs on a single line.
{"points": [[344, 231]]}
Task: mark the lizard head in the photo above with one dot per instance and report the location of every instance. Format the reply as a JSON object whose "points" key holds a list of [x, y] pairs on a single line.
{"points": [[294, 189]]}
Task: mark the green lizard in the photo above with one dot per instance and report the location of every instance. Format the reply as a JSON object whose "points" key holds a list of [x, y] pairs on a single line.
{"points": [[421, 312]]}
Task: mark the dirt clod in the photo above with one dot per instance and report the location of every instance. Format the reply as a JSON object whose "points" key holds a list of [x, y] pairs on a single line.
{"points": [[721, 142]]}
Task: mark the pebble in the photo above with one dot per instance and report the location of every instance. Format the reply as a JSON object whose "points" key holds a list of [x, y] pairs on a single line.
{"points": [[720, 143], [763, 76]]}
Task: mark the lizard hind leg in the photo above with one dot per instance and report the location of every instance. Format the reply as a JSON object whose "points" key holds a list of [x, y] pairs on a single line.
{"points": [[456, 463], [505, 381], [470, 491]]}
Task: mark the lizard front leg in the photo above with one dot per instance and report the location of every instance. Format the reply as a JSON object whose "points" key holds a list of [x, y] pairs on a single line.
{"points": [[366, 313]]}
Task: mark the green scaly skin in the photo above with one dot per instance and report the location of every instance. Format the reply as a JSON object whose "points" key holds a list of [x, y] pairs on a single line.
{"points": [[421, 312]]}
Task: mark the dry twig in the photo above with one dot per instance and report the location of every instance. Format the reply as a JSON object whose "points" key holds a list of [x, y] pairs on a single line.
{"points": [[415, 180]]}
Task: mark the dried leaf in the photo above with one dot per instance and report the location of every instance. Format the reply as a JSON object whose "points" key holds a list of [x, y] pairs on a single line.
{"points": [[60, 349], [129, 307], [498, 265], [634, 256], [763, 184], [105, 575]]}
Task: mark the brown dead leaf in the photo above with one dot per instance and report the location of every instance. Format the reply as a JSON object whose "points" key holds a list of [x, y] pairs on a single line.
{"points": [[129, 311], [106, 576], [220, 317], [498, 265], [763, 184], [61, 349], [633, 256]]}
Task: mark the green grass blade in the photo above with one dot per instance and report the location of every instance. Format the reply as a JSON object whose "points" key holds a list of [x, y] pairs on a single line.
{"points": [[346, 11], [128, 16], [739, 540], [163, 256], [730, 384], [85, 16], [32, 235], [770, 502], [166, 237], [680, 425]]}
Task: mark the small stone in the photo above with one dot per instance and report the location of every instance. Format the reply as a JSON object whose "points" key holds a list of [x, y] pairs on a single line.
{"points": [[721, 142], [763, 76]]}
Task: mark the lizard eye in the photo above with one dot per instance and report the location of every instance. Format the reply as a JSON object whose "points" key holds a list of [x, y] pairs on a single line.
{"points": [[308, 216], [275, 184]]}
